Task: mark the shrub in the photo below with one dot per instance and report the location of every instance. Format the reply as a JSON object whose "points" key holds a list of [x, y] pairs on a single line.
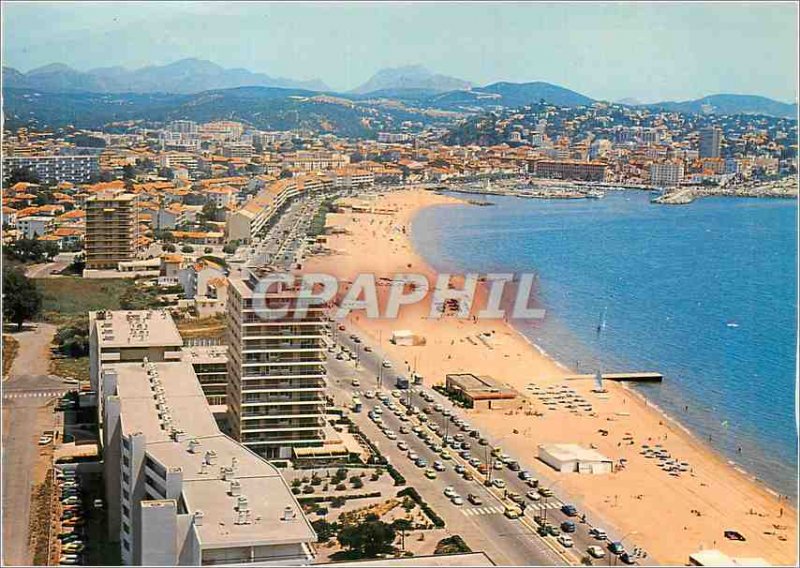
{"points": [[358, 484], [341, 487]]}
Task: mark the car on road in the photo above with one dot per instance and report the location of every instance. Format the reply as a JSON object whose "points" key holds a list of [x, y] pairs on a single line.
{"points": [[459, 469], [438, 466], [430, 474], [568, 527], [457, 500], [595, 552], [499, 483], [498, 465], [474, 499], [483, 442], [525, 475], [446, 412], [438, 407], [69, 560], [598, 534], [626, 558], [512, 512], [369, 394], [474, 462], [465, 455], [446, 455], [402, 446], [421, 462], [382, 396], [386, 364], [513, 465], [616, 547], [413, 455], [449, 491], [404, 429], [565, 541], [569, 510], [533, 482], [467, 476], [532, 495], [545, 492], [553, 530], [367, 348], [516, 498], [391, 435]]}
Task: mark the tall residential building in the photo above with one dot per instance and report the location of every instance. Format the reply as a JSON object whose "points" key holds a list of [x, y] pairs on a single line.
{"points": [[666, 174], [276, 368], [112, 227], [54, 169], [181, 493], [710, 142]]}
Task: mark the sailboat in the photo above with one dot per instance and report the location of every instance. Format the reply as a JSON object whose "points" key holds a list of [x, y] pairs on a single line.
{"points": [[598, 377]]}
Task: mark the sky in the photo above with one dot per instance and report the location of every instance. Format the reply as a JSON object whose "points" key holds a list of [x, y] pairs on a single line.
{"points": [[645, 51]]}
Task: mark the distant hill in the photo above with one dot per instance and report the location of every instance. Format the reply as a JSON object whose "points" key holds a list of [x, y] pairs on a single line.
{"points": [[267, 108], [509, 95], [410, 77], [731, 104], [184, 76]]}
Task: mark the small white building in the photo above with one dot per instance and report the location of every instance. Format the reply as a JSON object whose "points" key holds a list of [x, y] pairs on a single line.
{"points": [[574, 458]]}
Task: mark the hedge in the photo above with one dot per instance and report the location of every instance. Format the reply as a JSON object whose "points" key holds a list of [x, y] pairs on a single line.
{"points": [[437, 521], [326, 498]]}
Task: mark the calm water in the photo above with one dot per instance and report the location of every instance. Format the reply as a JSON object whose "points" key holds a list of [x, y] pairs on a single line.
{"points": [[671, 280]]}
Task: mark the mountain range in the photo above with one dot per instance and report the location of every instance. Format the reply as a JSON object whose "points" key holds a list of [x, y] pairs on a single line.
{"points": [[413, 90], [184, 76]]}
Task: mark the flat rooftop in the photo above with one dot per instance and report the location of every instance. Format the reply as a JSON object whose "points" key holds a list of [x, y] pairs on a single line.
{"points": [[478, 387], [135, 328], [275, 516], [566, 452], [464, 559], [205, 354]]}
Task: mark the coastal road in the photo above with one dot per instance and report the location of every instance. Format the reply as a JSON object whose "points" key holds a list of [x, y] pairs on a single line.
{"points": [[369, 370], [484, 526], [26, 395]]}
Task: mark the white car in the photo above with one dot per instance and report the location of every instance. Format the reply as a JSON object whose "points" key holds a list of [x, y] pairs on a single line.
{"points": [[450, 491], [565, 541], [596, 552], [457, 500], [369, 394], [533, 495], [412, 455], [402, 446], [386, 365], [499, 483], [391, 435]]}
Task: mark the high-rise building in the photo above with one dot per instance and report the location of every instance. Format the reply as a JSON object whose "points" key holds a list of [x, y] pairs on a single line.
{"points": [[54, 169], [179, 492], [276, 368], [112, 227], [666, 174], [710, 142]]}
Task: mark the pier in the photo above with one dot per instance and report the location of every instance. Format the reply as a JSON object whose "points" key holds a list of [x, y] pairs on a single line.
{"points": [[643, 377]]}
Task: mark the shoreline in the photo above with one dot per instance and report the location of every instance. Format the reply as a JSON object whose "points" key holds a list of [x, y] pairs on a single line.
{"points": [[648, 404], [641, 417]]}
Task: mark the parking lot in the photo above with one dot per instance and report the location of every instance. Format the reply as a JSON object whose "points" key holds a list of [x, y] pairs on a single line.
{"points": [[424, 429]]}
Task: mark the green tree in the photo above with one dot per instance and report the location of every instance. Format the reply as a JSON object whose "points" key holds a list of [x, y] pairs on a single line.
{"points": [[168, 247], [187, 249], [210, 211], [324, 529], [368, 538], [402, 526], [21, 299]]}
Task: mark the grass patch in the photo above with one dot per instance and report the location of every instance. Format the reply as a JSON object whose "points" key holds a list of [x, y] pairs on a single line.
{"points": [[212, 327], [75, 368], [10, 348], [64, 297]]}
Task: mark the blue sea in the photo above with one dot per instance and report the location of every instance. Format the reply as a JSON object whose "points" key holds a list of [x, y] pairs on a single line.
{"points": [[704, 293]]}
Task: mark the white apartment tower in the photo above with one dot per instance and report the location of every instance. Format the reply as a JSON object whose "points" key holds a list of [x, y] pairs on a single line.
{"points": [[276, 368]]}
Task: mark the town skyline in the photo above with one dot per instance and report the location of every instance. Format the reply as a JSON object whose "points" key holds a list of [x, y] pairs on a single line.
{"points": [[645, 52]]}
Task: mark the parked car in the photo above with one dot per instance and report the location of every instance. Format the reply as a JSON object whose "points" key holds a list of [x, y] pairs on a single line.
{"points": [[565, 541], [499, 483], [616, 548], [474, 499], [598, 534], [595, 552], [533, 496]]}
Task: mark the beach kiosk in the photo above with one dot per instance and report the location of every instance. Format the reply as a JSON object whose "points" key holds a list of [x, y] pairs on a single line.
{"points": [[574, 458]]}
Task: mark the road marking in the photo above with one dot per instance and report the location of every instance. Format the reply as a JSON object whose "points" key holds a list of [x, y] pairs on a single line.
{"points": [[473, 511], [32, 394]]}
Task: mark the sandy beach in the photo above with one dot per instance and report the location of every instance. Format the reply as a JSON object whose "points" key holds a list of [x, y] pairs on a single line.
{"points": [[670, 517]]}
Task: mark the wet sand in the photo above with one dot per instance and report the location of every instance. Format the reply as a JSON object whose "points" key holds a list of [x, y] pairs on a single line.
{"points": [[669, 517]]}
